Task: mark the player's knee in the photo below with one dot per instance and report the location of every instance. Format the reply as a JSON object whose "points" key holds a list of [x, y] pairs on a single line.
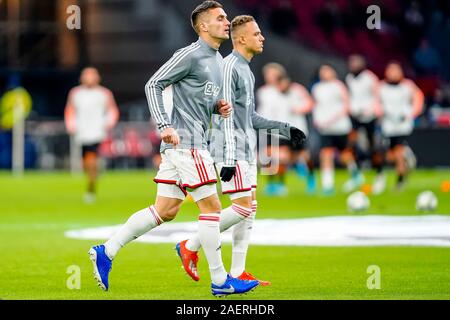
{"points": [[245, 202], [168, 214], [167, 208], [210, 204]]}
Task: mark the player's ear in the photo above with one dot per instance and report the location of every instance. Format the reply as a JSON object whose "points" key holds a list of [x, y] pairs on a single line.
{"points": [[203, 26], [242, 39]]}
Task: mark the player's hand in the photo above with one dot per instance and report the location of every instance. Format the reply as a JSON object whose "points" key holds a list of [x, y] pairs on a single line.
{"points": [[170, 135], [298, 138], [227, 173], [224, 108]]}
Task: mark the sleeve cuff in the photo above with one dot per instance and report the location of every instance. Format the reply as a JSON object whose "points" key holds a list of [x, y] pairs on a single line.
{"points": [[163, 126]]}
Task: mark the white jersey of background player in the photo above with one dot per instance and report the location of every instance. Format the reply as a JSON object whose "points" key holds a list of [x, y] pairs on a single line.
{"points": [[290, 106], [332, 121], [363, 95]]}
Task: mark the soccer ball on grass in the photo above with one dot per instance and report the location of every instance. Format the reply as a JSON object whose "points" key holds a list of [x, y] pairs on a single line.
{"points": [[426, 201], [358, 202]]}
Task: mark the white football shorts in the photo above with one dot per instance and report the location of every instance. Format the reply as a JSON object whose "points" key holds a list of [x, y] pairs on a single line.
{"points": [[243, 181], [185, 171]]}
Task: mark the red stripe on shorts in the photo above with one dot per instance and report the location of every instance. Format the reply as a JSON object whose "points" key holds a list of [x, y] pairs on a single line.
{"points": [[240, 176], [203, 165], [199, 171]]}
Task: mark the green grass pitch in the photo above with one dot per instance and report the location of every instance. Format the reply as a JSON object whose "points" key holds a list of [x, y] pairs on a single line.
{"points": [[37, 209]]}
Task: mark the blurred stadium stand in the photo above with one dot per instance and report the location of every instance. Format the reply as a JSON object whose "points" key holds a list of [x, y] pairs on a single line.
{"points": [[127, 40]]}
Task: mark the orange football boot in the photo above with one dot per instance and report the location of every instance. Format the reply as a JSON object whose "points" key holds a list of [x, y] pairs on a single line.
{"points": [[189, 259], [248, 276]]}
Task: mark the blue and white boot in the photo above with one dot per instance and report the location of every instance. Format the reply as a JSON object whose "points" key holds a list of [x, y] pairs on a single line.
{"points": [[233, 286], [102, 265]]}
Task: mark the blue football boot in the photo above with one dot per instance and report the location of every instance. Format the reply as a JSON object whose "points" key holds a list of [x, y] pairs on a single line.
{"points": [[102, 265], [233, 286]]}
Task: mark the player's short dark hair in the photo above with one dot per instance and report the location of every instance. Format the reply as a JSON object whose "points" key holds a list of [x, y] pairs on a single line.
{"points": [[240, 21], [203, 7]]}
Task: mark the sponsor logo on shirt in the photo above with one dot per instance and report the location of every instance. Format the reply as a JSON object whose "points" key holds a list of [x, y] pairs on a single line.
{"points": [[211, 89]]}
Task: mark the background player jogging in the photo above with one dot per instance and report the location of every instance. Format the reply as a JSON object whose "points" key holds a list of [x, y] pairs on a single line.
{"points": [[401, 103], [90, 113]]}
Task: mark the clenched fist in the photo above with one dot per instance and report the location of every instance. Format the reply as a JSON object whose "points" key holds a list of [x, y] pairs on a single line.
{"points": [[170, 135], [224, 108]]}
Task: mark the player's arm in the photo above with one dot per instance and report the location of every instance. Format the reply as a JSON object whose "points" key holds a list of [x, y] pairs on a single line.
{"points": [[175, 69], [303, 96], [294, 134], [377, 106], [345, 100], [265, 102], [69, 113], [379, 110], [112, 109], [417, 100], [227, 124], [262, 123]]}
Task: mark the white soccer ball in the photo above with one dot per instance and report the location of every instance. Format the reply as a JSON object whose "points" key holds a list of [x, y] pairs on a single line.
{"points": [[426, 201], [357, 202]]}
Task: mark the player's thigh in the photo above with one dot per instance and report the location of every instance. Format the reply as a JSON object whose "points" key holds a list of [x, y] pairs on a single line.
{"points": [[90, 153], [209, 204], [243, 200], [169, 186]]}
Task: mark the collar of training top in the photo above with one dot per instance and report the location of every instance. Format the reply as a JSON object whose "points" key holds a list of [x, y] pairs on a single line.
{"points": [[240, 57], [205, 45]]}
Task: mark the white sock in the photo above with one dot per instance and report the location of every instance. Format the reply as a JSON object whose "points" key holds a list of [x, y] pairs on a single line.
{"points": [[327, 178], [139, 223], [241, 240], [228, 218], [209, 236], [352, 168]]}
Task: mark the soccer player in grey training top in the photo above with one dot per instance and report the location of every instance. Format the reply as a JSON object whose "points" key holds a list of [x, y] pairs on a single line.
{"points": [[239, 83], [195, 73]]}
